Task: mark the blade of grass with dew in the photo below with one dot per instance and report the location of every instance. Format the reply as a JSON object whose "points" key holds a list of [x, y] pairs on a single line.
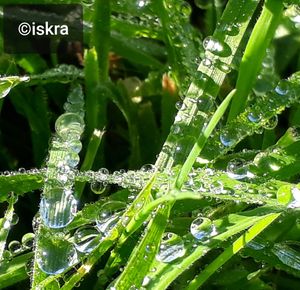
{"points": [[20, 182], [55, 204], [15, 271], [240, 243], [228, 226], [5, 225], [161, 164], [284, 95], [112, 238], [128, 277], [260, 39]]}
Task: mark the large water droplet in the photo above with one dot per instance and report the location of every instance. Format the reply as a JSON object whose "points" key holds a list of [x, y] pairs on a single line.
{"points": [[171, 248], [109, 215], [55, 255], [202, 229], [86, 239], [216, 47], [15, 247], [58, 208], [237, 168], [287, 255], [5, 87], [227, 138], [254, 117], [205, 103], [28, 240], [282, 88], [69, 123]]}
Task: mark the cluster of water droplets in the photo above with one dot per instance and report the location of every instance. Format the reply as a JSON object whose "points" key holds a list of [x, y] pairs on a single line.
{"points": [[7, 83], [58, 205]]}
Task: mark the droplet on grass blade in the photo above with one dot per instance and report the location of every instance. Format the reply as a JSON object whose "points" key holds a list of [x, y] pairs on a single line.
{"points": [[55, 255], [86, 239], [171, 248]]}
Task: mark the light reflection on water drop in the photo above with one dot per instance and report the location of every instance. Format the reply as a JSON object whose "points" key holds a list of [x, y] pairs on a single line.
{"points": [[55, 255], [171, 248]]}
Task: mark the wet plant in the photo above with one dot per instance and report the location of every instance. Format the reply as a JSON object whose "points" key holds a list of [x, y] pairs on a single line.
{"points": [[168, 158]]}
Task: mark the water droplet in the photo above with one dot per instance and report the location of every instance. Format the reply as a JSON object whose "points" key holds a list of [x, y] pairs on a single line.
{"points": [[296, 198], [69, 124], [5, 87], [216, 187], [72, 159], [109, 215], [15, 219], [55, 255], [271, 123], [98, 187], [222, 66], [205, 103], [207, 62], [254, 117], [15, 247], [202, 229], [74, 145], [171, 248], [231, 29], [86, 239], [227, 138], [146, 281], [150, 168], [216, 47], [58, 208], [287, 255], [28, 240], [237, 168], [282, 88]]}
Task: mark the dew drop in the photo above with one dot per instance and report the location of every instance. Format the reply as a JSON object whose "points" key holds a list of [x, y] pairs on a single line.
{"points": [[287, 255], [68, 124], [98, 187], [58, 208], [171, 248], [203, 229], [216, 47], [15, 219], [150, 168], [216, 187], [271, 123], [205, 103], [72, 159], [254, 117], [28, 240], [296, 198], [55, 255], [227, 138], [237, 169], [282, 88], [15, 247], [86, 239], [74, 145], [109, 215], [207, 62], [5, 87]]}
